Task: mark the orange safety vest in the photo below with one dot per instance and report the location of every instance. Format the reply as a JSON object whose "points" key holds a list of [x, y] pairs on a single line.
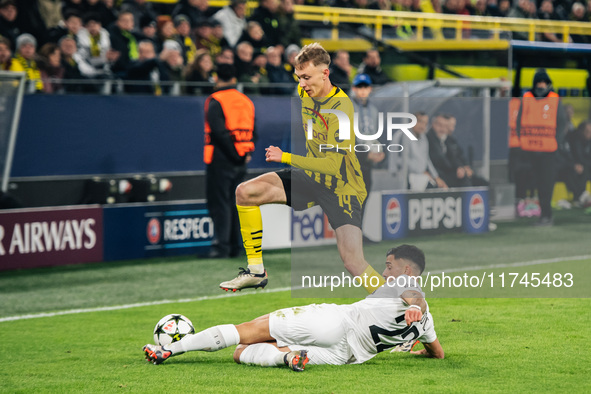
{"points": [[239, 113], [539, 120], [514, 105]]}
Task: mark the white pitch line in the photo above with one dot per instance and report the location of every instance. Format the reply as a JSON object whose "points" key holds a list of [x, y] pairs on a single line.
{"points": [[511, 265], [278, 290], [136, 305]]}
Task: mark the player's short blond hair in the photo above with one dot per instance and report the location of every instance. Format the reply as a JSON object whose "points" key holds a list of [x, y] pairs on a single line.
{"points": [[312, 53]]}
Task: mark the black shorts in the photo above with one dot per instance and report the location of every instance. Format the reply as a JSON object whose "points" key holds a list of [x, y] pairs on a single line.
{"points": [[304, 192]]}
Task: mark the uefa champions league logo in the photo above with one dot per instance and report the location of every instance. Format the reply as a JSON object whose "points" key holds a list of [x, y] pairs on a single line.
{"points": [[153, 231]]}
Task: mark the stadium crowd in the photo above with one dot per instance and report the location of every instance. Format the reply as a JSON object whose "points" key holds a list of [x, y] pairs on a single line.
{"points": [[154, 47], [60, 44]]}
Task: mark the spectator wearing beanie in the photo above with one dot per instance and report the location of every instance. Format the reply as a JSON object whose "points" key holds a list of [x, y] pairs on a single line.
{"points": [[24, 60]]}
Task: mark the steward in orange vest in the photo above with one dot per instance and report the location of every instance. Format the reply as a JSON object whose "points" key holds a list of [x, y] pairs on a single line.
{"points": [[229, 132], [520, 172], [539, 121], [238, 113], [540, 125]]}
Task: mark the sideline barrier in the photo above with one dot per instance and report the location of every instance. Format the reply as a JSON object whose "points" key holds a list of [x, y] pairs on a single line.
{"points": [[50, 236], [54, 236], [436, 212], [58, 236], [140, 230], [389, 215]]}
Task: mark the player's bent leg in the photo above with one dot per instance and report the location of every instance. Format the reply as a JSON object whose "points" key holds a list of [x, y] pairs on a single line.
{"points": [[258, 347], [320, 325], [264, 189], [255, 331], [350, 246], [318, 331], [270, 355], [240, 348]]}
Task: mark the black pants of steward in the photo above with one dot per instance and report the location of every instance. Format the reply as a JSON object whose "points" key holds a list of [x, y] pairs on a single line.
{"points": [[543, 166], [520, 173], [222, 178]]}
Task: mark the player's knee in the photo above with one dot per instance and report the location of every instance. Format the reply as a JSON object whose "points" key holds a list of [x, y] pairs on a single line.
{"points": [[245, 193], [242, 194], [238, 352]]}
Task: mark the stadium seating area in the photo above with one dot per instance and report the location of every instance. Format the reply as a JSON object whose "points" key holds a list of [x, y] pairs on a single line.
{"points": [[172, 48]]}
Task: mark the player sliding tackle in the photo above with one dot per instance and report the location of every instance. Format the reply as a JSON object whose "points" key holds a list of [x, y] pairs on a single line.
{"points": [[395, 316], [330, 178]]}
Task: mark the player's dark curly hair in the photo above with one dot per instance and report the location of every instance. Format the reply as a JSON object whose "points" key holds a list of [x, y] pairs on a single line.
{"points": [[410, 253]]}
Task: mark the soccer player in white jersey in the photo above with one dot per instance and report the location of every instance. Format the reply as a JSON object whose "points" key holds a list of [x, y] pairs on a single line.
{"points": [[395, 316]]}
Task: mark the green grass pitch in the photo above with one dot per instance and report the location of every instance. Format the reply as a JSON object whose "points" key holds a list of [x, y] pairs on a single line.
{"points": [[491, 344]]}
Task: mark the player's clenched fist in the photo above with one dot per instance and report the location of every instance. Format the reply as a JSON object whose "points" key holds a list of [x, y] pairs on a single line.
{"points": [[273, 153], [412, 315]]}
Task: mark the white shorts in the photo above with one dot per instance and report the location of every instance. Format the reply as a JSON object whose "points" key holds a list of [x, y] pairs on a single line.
{"points": [[320, 329]]}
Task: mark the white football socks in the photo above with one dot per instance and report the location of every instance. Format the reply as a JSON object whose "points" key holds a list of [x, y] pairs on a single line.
{"points": [[256, 268], [209, 340], [263, 354]]}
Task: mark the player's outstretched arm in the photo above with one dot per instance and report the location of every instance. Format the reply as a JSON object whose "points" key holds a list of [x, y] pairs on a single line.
{"points": [[432, 350], [329, 165]]}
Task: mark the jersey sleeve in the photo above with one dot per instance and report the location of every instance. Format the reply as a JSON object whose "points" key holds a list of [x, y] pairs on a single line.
{"points": [[429, 336], [330, 164]]}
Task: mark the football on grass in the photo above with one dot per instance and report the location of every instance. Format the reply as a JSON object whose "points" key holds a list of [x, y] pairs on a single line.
{"points": [[172, 328]]}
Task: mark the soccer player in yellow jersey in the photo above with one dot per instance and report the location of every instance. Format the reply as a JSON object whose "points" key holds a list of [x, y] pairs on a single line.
{"points": [[329, 175]]}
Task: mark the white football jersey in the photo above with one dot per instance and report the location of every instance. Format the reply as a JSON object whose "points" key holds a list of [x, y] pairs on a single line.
{"points": [[377, 323]]}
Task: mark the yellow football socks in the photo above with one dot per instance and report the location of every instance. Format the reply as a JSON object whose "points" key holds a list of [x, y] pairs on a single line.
{"points": [[251, 227], [368, 281]]}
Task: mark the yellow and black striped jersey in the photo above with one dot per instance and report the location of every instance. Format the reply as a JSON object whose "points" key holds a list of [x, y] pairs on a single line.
{"points": [[330, 160]]}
